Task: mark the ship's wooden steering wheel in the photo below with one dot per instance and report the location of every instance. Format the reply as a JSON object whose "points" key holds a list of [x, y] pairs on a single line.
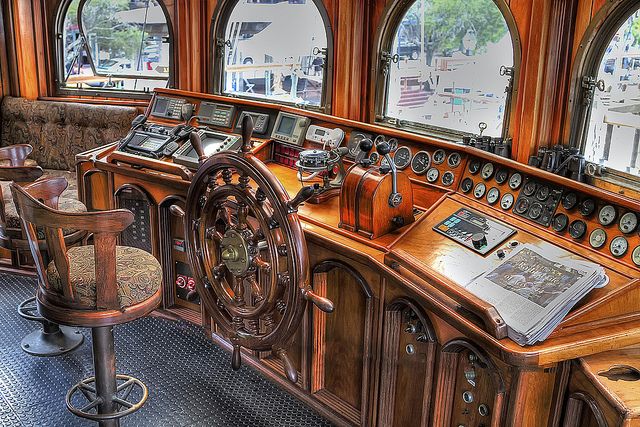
{"points": [[248, 252]]}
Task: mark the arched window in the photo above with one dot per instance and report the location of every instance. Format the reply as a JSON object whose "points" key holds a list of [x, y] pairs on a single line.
{"points": [[606, 104], [113, 45], [273, 50], [446, 66]]}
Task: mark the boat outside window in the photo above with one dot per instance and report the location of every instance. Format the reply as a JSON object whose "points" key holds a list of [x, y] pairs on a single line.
{"points": [[115, 45], [449, 67]]}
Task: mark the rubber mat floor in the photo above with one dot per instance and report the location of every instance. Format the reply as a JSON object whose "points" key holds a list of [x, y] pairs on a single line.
{"points": [[189, 378]]}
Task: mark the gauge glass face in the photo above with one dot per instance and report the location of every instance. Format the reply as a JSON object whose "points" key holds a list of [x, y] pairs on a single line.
{"points": [[628, 223], [421, 162], [569, 201], [439, 156], [607, 215], [507, 201], [522, 205], [515, 181], [467, 185], [536, 211], [448, 178], [493, 195], [543, 193], [598, 238], [560, 222], [635, 256], [374, 158], [487, 171], [619, 246], [587, 207], [479, 191], [384, 163], [402, 157], [474, 166], [393, 144], [501, 176], [530, 188], [454, 160], [432, 175], [577, 229]]}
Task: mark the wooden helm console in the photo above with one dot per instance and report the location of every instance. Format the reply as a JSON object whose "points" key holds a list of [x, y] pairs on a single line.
{"points": [[247, 251]]}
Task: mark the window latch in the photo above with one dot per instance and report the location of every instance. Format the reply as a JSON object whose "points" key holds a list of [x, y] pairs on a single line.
{"points": [[589, 86], [386, 58], [220, 46], [319, 52]]}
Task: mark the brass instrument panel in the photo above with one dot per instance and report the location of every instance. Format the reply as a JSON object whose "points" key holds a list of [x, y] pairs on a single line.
{"points": [[594, 224]]}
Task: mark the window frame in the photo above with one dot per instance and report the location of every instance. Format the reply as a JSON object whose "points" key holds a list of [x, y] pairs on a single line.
{"points": [[589, 55], [391, 19], [58, 52], [221, 16]]}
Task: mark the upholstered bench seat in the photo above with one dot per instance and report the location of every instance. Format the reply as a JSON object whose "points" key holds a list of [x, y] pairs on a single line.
{"points": [[138, 274]]}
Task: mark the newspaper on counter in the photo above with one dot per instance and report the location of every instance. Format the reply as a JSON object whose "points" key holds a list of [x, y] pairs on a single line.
{"points": [[534, 289]]}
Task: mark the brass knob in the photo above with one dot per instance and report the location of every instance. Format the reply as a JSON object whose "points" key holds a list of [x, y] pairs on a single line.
{"points": [[230, 254]]}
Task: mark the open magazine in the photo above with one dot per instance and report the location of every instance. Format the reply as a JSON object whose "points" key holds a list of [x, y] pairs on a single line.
{"points": [[534, 288]]}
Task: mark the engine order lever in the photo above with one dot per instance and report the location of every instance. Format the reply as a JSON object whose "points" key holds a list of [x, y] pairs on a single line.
{"points": [[196, 143], [384, 149], [303, 195], [247, 133]]}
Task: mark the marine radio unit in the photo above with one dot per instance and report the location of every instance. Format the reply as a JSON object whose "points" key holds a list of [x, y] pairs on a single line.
{"points": [[155, 141]]}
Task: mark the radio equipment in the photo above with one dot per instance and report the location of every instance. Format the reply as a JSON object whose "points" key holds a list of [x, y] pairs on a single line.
{"points": [[153, 140], [290, 128], [212, 143]]}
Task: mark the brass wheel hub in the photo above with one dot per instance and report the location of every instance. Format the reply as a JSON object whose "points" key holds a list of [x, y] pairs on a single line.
{"points": [[236, 252]]}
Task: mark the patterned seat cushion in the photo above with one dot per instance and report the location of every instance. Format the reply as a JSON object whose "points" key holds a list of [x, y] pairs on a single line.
{"points": [[68, 200], [139, 275], [27, 162]]}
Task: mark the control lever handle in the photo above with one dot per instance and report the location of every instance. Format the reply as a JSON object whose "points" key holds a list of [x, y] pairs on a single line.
{"points": [[383, 148], [366, 145], [322, 303], [247, 133], [196, 143], [303, 195], [177, 211]]}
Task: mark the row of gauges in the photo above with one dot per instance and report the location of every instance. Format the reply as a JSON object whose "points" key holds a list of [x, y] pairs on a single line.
{"points": [[492, 194], [422, 163]]}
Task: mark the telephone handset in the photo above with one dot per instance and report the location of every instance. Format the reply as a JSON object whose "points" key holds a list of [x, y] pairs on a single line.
{"points": [[153, 140]]}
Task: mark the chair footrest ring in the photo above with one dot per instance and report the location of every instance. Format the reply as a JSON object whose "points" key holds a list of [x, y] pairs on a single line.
{"points": [[29, 310], [126, 385]]}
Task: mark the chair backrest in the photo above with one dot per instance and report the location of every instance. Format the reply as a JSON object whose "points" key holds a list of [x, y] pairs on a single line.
{"points": [[37, 205], [16, 169]]}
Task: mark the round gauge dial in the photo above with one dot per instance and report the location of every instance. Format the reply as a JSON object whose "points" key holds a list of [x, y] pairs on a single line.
{"points": [[447, 178], [467, 185], [421, 162], [607, 215], [480, 190], [432, 175], [487, 171], [374, 158], [502, 176], [535, 211], [507, 201], [522, 205], [619, 246], [635, 256], [454, 160], [628, 223], [384, 163], [560, 222], [402, 157], [543, 193], [439, 156], [530, 188], [587, 207], [493, 195], [393, 144], [577, 229], [515, 181], [569, 201], [474, 166], [598, 238]]}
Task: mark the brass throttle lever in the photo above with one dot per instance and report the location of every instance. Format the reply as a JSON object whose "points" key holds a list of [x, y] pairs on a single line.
{"points": [[196, 143]]}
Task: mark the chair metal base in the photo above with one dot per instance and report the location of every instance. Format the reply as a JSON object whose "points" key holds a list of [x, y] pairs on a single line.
{"points": [[126, 384], [52, 339], [43, 344]]}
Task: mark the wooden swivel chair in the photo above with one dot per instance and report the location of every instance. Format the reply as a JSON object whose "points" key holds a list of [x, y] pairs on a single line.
{"points": [[50, 339], [96, 286]]}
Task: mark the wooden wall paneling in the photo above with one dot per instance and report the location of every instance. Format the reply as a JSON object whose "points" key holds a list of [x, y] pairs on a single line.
{"points": [[528, 405], [190, 29], [529, 106], [344, 348], [351, 58], [4, 58], [26, 62]]}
